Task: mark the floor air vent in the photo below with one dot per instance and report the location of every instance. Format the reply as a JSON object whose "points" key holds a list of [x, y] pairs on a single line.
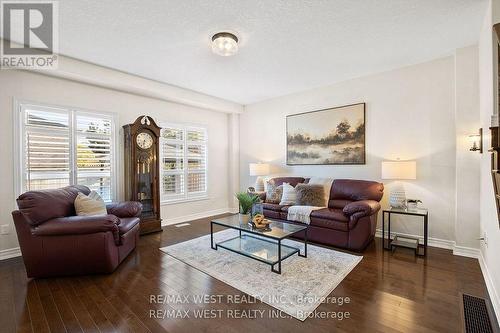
{"points": [[476, 315]]}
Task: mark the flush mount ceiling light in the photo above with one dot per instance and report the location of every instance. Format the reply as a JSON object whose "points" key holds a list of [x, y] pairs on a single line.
{"points": [[224, 44]]}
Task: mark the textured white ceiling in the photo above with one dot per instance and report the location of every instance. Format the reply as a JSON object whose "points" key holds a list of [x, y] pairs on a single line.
{"points": [[286, 46]]}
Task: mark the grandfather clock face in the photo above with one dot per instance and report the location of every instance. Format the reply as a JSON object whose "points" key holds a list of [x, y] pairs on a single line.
{"points": [[144, 140], [145, 159]]}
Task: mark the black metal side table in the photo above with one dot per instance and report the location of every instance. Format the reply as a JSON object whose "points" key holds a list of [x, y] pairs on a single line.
{"points": [[407, 242]]}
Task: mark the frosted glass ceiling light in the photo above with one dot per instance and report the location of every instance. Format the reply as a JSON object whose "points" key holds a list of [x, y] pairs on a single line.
{"points": [[224, 44]]}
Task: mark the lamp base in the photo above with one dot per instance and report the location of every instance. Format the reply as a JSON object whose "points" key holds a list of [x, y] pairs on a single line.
{"points": [[397, 198], [259, 184]]}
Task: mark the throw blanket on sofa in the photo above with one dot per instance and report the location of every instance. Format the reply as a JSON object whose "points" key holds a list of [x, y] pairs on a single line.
{"points": [[301, 213]]}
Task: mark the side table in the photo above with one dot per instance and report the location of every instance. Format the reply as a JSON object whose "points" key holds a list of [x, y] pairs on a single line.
{"points": [[391, 243]]}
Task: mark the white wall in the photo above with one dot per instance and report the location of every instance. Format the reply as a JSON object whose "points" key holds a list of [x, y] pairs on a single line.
{"points": [[44, 89], [489, 221], [410, 114], [467, 162]]}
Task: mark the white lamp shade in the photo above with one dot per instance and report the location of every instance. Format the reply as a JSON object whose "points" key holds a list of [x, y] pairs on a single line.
{"points": [[399, 170], [259, 169]]}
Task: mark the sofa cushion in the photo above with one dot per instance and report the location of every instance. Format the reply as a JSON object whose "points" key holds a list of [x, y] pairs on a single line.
{"points": [[290, 180], [40, 206], [339, 203], [329, 224], [127, 223], [354, 190], [273, 207], [330, 214]]}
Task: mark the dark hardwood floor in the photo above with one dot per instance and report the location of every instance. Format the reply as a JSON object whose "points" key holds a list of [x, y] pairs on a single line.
{"points": [[388, 293]]}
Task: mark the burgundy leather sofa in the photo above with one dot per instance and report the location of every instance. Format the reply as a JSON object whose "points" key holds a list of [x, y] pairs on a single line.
{"points": [[55, 242], [349, 221]]}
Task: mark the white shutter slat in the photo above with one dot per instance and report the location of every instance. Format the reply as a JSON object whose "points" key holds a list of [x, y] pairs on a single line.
{"points": [[183, 157], [46, 149], [197, 156], [63, 146], [94, 153], [94, 124]]}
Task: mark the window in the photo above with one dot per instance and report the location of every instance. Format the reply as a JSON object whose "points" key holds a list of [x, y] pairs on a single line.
{"points": [[183, 163], [62, 146]]}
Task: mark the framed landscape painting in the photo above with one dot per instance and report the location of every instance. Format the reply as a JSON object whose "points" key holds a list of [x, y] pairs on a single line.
{"points": [[329, 136]]}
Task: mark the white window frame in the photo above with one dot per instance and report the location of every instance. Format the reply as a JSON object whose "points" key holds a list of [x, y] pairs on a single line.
{"points": [[186, 197], [20, 137]]}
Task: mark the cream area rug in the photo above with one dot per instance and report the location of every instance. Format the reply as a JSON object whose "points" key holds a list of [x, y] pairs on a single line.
{"points": [[303, 284]]}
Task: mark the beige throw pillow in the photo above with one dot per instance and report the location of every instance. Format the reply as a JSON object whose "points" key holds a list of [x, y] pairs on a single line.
{"points": [[90, 205]]}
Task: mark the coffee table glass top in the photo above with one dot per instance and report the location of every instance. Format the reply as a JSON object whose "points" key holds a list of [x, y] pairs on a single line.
{"points": [[258, 248], [278, 230]]}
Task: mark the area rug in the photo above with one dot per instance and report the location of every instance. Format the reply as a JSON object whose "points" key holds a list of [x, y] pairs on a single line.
{"points": [[304, 283]]}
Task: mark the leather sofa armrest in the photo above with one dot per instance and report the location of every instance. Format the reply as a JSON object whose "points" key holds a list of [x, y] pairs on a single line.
{"points": [[361, 208], [125, 208], [79, 225]]}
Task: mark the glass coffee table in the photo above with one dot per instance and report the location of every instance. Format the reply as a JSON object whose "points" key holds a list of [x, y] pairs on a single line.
{"points": [[262, 245]]}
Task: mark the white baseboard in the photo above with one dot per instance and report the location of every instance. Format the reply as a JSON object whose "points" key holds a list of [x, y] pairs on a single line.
{"points": [[494, 297], [10, 253], [435, 242], [190, 217], [466, 252], [440, 243]]}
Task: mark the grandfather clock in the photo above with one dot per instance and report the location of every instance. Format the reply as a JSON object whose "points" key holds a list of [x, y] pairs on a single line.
{"points": [[142, 170]]}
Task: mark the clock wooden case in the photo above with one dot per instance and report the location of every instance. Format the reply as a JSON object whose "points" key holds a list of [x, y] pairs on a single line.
{"points": [[142, 178]]}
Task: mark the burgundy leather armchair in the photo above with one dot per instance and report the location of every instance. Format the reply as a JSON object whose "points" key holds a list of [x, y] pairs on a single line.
{"points": [[56, 242]]}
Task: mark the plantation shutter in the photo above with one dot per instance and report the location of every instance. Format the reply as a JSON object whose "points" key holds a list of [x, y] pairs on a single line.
{"points": [[46, 149], [196, 161], [183, 163], [93, 153], [61, 147], [172, 163]]}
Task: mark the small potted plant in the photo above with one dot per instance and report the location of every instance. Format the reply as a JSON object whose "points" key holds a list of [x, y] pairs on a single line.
{"points": [[246, 201], [412, 203]]}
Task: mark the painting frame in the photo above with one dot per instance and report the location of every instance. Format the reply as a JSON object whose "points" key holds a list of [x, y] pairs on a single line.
{"points": [[336, 108]]}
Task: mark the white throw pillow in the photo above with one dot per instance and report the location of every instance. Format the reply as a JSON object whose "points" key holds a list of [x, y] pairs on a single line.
{"points": [[289, 195], [327, 186], [90, 205]]}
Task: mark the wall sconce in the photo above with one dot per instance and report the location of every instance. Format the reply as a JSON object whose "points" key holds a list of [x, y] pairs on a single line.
{"points": [[477, 141]]}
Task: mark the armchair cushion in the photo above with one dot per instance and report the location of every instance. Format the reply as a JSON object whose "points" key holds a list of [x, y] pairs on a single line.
{"points": [[125, 209], [79, 225], [358, 209]]}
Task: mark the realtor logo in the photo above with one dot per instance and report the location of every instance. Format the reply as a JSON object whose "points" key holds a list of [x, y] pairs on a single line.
{"points": [[29, 34]]}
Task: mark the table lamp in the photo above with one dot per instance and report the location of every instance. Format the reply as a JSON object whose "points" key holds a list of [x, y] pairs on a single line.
{"points": [[398, 170], [259, 170]]}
